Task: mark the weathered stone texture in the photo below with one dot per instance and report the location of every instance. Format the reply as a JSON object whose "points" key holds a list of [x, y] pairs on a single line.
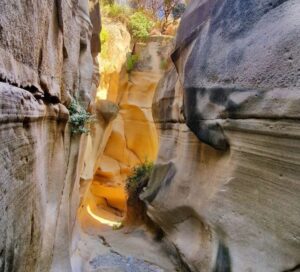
{"points": [[45, 59], [126, 136], [225, 188]]}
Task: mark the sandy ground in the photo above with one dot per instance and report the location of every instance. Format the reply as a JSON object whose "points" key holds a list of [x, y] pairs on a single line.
{"points": [[97, 247]]}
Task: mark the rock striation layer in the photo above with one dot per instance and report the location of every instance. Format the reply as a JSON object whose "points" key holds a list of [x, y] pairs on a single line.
{"points": [[46, 59], [225, 188]]}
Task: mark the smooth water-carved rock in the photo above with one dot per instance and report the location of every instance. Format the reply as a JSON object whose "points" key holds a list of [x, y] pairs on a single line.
{"points": [[225, 186], [130, 138], [134, 138], [46, 59]]}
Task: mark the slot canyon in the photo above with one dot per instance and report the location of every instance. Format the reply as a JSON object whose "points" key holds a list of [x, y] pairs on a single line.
{"points": [[149, 136]]}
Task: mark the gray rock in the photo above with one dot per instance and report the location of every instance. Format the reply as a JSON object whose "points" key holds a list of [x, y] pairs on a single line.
{"points": [[229, 124], [45, 59]]}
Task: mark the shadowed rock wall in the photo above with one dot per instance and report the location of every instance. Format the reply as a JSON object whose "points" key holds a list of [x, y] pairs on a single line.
{"points": [[46, 59], [225, 188]]}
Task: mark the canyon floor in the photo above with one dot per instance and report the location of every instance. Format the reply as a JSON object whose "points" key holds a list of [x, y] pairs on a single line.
{"points": [[98, 247]]}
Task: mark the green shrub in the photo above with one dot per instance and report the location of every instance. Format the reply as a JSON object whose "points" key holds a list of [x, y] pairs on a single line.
{"points": [[117, 12], [118, 226], [107, 2], [104, 35], [104, 38], [136, 181], [114, 10], [131, 61], [78, 118], [140, 26]]}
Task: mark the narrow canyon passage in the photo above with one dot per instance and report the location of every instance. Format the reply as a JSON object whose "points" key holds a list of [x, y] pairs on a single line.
{"points": [[113, 231], [149, 136]]}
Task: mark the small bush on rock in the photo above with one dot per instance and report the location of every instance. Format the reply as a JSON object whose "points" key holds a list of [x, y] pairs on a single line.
{"points": [[140, 175], [136, 208], [104, 35], [131, 61], [78, 118], [140, 26], [117, 12], [105, 41]]}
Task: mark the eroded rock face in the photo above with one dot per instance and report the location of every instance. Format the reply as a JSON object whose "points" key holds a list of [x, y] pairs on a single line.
{"points": [[225, 187], [46, 58], [112, 58], [134, 138], [130, 138]]}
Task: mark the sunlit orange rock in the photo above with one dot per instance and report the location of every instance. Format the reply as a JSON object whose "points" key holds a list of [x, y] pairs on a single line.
{"points": [[131, 138], [134, 138]]}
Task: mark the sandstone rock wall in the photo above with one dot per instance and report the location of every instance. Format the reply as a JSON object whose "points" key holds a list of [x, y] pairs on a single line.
{"points": [[46, 58], [112, 58], [225, 188], [127, 135], [133, 138], [106, 109]]}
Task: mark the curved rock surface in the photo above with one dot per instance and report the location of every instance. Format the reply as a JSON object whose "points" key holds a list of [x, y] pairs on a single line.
{"points": [[131, 138], [46, 58], [225, 188], [134, 138]]}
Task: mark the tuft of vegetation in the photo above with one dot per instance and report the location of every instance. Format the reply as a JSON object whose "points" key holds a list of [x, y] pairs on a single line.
{"points": [[104, 38], [135, 184], [131, 61], [140, 26], [143, 14], [107, 2], [78, 118], [140, 175], [118, 226], [104, 35], [117, 12]]}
